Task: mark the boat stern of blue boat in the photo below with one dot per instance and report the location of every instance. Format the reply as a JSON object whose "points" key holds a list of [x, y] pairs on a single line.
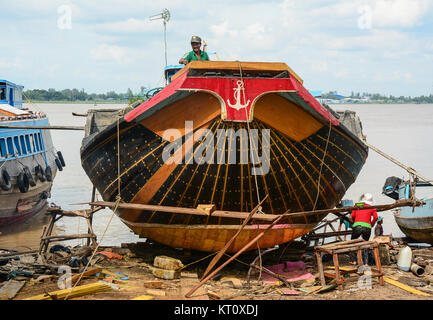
{"points": [[28, 160], [415, 222]]}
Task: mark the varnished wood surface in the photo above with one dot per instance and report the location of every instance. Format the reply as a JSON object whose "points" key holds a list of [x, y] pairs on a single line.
{"points": [[286, 117], [235, 65], [212, 238]]}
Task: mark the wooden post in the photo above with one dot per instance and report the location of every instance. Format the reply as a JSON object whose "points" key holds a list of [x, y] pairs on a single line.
{"points": [[359, 255], [320, 267], [378, 263], [337, 271], [90, 218]]}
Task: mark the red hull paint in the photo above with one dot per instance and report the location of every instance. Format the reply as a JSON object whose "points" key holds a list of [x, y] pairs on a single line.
{"points": [[225, 89]]}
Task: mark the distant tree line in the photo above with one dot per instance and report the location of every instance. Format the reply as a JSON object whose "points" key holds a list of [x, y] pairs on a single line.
{"points": [[75, 95], [382, 98]]}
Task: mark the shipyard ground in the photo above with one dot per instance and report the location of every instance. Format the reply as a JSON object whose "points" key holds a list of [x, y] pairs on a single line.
{"points": [[229, 284]]}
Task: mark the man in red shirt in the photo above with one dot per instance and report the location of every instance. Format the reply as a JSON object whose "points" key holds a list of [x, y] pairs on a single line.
{"points": [[363, 221]]}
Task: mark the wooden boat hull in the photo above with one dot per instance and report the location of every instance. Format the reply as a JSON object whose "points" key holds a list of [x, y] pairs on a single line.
{"points": [[312, 158], [420, 228], [414, 222], [212, 238]]}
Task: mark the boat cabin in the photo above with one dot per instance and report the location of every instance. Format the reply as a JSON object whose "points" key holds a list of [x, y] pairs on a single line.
{"points": [[169, 71], [11, 94]]}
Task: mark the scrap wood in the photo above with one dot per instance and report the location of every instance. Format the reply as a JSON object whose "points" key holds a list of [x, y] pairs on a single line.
{"points": [[309, 290], [73, 292], [88, 273], [115, 274], [143, 297], [11, 288], [405, 287], [287, 292]]}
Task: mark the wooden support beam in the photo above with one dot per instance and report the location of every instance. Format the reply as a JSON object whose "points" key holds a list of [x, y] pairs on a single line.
{"points": [[244, 215], [191, 211]]}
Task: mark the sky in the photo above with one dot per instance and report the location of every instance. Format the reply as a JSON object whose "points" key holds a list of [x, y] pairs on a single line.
{"points": [[375, 46]]}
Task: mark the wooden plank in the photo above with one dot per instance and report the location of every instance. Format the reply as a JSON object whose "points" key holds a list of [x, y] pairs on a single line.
{"points": [[88, 273], [405, 287], [72, 293], [192, 211], [143, 297], [11, 289]]}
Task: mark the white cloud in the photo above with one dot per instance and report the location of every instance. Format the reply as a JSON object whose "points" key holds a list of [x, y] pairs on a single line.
{"points": [[107, 52], [399, 13], [130, 25]]}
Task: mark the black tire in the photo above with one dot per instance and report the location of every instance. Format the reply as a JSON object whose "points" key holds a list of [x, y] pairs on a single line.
{"points": [[58, 164], [62, 160], [29, 176], [23, 182], [49, 173], [5, 181], [40, 174]]}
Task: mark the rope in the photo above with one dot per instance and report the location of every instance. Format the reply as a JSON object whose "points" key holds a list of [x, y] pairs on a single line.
{"points": [[190, 264], [118, 199], [248, 126]]}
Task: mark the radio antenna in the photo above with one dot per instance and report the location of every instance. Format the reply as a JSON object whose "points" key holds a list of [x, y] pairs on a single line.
{"points": [[165, 16]]}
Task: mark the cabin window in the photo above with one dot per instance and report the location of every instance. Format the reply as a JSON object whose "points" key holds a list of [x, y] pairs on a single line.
{"points": [[10, 146], [40, 142], [38, 147], [3, 149], [2, 93], [29, 147], [23, 145], [32, 143], [17, 145]]}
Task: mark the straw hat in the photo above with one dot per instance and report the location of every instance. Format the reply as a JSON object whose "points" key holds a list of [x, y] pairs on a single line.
{"points": [[367, 198]]}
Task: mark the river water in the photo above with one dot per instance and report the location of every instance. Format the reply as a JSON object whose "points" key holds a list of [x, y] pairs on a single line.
{"points": [[402, 131]]}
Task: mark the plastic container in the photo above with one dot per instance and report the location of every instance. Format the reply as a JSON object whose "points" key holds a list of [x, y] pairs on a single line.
{"points": [[404, 259]]}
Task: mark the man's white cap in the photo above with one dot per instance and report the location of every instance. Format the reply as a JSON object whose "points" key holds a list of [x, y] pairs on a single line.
{"points": [[367, 198]]}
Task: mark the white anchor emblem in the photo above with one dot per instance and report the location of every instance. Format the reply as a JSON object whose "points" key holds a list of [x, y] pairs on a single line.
{"points": [[237, 95]]}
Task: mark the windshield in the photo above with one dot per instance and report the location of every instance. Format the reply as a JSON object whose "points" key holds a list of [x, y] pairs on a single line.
{"points": [[2, 93]]}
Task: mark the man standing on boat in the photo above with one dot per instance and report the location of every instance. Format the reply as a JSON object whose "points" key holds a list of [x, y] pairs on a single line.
{"points": [[196, 54], [363, 221]]}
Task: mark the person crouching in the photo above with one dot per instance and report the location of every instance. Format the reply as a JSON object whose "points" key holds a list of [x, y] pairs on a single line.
{"points": [[363, 220]]}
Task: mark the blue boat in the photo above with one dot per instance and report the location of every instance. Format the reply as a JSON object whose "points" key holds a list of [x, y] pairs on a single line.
{"points": [[415, 223], [28, 159]]}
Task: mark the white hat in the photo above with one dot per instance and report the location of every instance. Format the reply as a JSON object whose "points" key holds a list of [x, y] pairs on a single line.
{"points": [[367, 198]]}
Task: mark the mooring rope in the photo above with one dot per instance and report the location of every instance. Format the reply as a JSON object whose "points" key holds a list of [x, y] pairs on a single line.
{"points": [[249, 129], [118, 199]]}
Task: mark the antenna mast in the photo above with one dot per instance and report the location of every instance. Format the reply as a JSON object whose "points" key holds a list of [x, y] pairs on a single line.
{"points": [[165, 16]]}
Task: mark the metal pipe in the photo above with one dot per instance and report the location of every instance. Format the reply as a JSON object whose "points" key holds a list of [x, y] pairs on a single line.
{"points": [[417, 270]]}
